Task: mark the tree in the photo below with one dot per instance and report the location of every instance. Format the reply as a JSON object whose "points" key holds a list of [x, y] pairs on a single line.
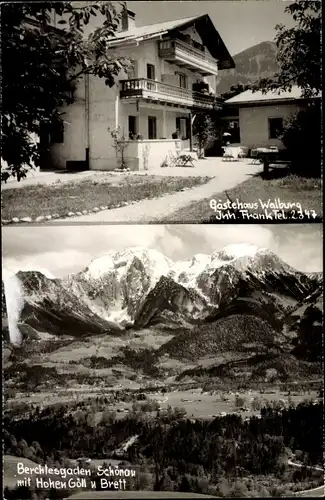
{"points": [[108, 417], [310, 334], [299, 61], [239, 401], [179, 413], [166, 483], [91, 419], [120, 144], [298, 50], [239, 489], [302, 136], [185, 484], [159, 455], [278, 404], [233, 91], [256, 404], [203, 131], [143, 481], [47, 65]]}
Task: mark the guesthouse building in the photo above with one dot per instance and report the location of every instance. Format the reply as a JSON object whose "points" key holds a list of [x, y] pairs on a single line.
{"points": [[172, 78], [259, 117]]}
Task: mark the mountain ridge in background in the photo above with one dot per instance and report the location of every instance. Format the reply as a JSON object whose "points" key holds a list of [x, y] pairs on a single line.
{"points": [[258, 61], [137, 286], [242, 303]]}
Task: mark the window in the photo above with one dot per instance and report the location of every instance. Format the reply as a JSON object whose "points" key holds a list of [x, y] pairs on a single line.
{"points": [[57, 132], [182, 80], [234, 124], [132, 127], [151, 72], [133, 70], [152, 127], [235, 131], [275, 127], [182, 126], [198, 46]]}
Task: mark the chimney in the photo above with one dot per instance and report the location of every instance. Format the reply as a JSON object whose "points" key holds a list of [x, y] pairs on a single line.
{"points": [[128, 20]]}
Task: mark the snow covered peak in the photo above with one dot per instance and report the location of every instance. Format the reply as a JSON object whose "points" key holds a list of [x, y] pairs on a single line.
{"points": [[123, 286], [157, 265], [154, 262], [236, 251], [100, 266], [186, 271], [115, 284], [200, 259], [194, 264], [247, 257]]}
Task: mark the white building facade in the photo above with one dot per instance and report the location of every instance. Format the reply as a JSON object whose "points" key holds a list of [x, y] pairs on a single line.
{"points": [[173, 77], [261, 117]]}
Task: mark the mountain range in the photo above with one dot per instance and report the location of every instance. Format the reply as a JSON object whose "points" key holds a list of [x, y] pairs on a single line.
{"points": [[243, 302], [138, 287], [251, 64]]}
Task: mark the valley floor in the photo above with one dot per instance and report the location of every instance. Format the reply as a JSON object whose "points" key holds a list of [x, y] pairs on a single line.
{"points": [[197, 403], [122, 401]]}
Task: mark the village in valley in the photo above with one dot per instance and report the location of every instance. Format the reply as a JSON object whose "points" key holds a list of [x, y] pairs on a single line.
{"points": [[160, 122]]}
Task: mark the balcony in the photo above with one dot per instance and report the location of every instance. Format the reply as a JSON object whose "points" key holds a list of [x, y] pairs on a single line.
{"points": [[183, 54], [164, 93]]}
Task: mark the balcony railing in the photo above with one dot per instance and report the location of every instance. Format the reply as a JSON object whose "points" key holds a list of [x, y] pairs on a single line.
{"points": [[166, 93], [184, 54]]}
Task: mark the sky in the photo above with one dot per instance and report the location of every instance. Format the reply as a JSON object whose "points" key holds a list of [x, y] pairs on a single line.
{"points": [[241, 23], [61, 250]]}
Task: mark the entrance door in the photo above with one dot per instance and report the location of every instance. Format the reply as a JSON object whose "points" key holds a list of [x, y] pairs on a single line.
{"points": [[152, 127], [132, 127], [183, 127]]}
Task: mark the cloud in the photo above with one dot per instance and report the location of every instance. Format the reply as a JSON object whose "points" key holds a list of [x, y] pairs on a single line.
{"points": [[68, 249], [300, 246], [30, 263], [209, 238], [65, 249]]}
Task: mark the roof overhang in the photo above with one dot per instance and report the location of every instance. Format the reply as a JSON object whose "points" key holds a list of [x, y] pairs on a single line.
{"points": [[135, 40], [268, 102], [204, 26], [212, 40]]}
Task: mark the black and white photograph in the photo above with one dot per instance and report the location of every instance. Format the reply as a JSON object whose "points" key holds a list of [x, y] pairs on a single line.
{"points": [[162, 249], [153, 112], [163, 361]]}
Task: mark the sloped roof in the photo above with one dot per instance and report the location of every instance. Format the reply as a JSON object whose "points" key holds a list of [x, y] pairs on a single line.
{"points": [[152, 29], [203, 24], [249, 97]]}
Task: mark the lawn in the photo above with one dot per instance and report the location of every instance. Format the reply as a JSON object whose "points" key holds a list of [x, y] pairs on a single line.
{"points": [[61, 198], [10, 469], [287, 189]]}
